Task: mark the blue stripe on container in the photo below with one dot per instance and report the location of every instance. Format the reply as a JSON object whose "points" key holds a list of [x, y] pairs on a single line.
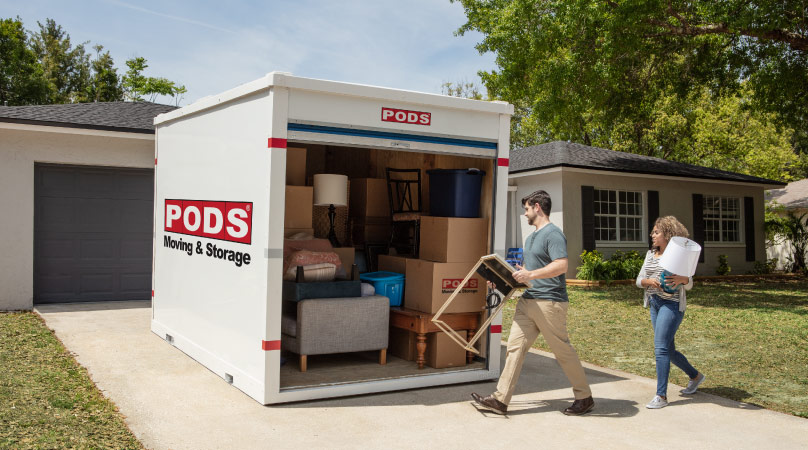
{"points": [[388, 135]]}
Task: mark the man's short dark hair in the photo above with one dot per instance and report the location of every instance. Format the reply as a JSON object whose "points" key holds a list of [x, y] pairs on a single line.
{"points": [[540, 198]]}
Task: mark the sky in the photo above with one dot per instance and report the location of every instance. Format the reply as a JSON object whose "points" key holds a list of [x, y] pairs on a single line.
{"points": [[213, 46]]}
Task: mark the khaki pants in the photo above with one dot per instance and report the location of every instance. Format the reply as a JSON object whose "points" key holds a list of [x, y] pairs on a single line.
{"points": [[532, 317]]}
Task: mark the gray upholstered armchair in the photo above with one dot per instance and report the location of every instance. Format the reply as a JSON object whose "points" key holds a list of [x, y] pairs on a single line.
{"points": [[337, 325]]}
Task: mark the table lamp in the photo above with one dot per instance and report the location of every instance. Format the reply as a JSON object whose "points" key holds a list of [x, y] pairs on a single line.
{"points": [[681, 257], [332, 191]]}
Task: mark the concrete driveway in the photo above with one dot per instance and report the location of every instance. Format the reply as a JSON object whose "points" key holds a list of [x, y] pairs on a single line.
{"points": [[172, 402]]}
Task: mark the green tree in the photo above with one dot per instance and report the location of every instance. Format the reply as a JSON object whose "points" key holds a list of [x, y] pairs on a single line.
{"points": [[601, 72], [105, 84], [136, 85], [22, 81], [463, 89], [66, 68]]}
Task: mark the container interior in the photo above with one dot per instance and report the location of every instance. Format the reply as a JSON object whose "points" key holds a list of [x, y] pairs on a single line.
{"points": [[349, 228]]}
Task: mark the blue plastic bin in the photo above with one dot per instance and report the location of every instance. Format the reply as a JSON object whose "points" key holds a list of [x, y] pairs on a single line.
{"points": [[389, 284], [455, 192]]}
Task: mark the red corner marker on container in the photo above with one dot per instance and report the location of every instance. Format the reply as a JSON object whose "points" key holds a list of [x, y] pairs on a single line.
{"points": [[276, 143], [270, 345]]}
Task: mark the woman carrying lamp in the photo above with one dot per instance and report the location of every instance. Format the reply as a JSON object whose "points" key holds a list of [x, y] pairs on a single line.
{"points": [[666, 298]]}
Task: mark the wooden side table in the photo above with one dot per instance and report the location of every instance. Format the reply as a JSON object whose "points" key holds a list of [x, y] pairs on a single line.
{"points": [[421, 323]]}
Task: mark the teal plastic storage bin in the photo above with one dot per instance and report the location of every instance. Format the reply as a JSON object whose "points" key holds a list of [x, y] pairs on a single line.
{"points": [[389, 284]]}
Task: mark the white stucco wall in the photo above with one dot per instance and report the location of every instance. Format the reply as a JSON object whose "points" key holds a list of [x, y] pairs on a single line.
{"points": [[21, 147], [675, 198], [551, 183]]}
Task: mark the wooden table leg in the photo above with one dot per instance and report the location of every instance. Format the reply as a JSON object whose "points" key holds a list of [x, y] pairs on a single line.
{"points": [[420, 345], [469, 355]]}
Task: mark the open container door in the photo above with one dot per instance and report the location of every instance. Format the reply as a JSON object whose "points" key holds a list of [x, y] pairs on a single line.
{"points": [[364, 129]]}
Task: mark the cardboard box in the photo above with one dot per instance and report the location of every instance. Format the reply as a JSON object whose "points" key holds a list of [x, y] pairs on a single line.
{"points": [[299, 204], [346, 256], [429, 284], [453, 239], [373, 230], [369, 198], [295, 166], [441, 350], [402, 344], [393, 263], [289, 232]]}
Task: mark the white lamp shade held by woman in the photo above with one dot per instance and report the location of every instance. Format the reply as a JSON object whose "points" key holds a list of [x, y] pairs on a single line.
{"points": [[681, 256], [330, 189]]}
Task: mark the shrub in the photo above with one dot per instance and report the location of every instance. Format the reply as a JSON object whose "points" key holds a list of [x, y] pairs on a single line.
{"points": [[723, 265], [764, 267], [621, 266]]}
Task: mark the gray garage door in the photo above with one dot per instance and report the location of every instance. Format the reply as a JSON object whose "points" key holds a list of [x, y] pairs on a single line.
{"points": [[92, 233]]}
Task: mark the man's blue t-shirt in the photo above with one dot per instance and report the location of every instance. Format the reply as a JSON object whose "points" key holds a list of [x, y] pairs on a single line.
{"points": [[541, 248]]}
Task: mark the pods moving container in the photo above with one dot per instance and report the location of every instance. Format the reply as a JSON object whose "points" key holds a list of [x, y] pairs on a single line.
{"points": [[220, 202]]}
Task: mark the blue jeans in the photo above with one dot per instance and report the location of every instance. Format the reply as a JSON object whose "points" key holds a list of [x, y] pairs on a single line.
{"points": [[666, 317]]}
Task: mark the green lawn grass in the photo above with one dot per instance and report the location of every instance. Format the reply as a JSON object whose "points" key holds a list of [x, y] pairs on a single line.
{"points": [[47, 399], [749, 337]]}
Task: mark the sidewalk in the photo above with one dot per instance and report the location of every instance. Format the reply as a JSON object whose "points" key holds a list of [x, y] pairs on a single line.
{"points": [[172, 402]]}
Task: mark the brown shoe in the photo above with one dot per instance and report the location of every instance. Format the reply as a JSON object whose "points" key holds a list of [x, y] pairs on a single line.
{"points": [[490, 403], [580, 407]]}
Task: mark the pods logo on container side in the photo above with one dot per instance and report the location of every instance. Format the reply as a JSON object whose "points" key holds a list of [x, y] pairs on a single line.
{"points": [[223, 220]]}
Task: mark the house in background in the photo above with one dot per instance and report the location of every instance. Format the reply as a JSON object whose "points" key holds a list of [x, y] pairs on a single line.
{"points": [[607, 200], [794, 198], [76, 191]]}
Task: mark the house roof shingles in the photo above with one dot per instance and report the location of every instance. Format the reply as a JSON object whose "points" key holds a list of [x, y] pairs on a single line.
{"points": [[567, 154], [793, 196], [131, 117]]}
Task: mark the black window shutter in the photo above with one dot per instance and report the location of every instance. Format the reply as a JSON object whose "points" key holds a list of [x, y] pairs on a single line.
{"points": [[749, 227], [653, 211], [588, 216], [698, 222]]}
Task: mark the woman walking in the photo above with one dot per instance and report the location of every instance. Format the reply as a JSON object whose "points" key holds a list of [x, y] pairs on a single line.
{"points": [[667, 310]]}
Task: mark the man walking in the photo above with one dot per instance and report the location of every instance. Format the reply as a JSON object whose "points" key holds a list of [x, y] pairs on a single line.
{"points": [[542, 309]]}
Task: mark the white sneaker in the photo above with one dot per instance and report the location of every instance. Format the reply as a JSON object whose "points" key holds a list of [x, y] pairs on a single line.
{"points": [[657, 402], [693, 384]]}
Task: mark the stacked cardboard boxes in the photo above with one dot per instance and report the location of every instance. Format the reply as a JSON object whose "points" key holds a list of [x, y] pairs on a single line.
{"points": [[299, 197], [449, 249], [369, 211]]}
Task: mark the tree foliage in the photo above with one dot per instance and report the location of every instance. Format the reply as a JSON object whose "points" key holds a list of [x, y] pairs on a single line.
{"points": [[45, 67], [642, 75], [22, 79], [136, 85]]}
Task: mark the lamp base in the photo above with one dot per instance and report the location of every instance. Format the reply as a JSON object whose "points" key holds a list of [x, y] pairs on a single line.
{"points": [[332, 235]]}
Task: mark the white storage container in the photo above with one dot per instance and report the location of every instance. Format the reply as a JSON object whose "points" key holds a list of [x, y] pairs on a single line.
{"points": [[219, 213]]}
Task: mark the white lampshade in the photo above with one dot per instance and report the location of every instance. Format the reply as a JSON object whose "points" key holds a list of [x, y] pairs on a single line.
{"points": [[681, 256], [330, 189]]}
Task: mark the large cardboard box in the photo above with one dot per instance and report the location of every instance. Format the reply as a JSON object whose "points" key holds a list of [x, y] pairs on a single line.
{"points": [[370, 230], [441, 350], [369, 198], [429, 284], [393, 263], [453, 239], [299, 204], [295, 166]]}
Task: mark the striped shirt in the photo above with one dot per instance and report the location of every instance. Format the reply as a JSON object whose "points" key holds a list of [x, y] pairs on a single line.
{"points": [[652, 271]]}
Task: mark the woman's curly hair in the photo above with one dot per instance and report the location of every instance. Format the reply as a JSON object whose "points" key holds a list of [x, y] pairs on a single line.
{"points": [[669, 226]]}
